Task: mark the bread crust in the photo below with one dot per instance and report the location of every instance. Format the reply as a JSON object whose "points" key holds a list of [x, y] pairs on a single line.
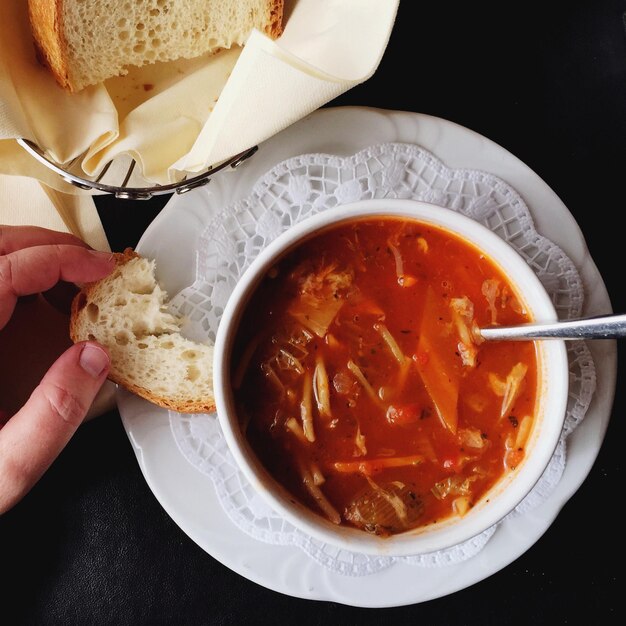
{"points": [[274, 29], [46, 19], [79, 302]]}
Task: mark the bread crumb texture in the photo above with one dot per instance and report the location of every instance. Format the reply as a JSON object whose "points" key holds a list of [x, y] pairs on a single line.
{"points": [[102, 37], [127, 312]]}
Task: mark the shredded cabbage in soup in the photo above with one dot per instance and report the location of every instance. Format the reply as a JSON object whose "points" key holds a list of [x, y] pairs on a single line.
{"points": [[366, 389]]}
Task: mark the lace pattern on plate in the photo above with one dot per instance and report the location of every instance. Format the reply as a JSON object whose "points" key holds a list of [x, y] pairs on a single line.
{"points": [[307, 184]]}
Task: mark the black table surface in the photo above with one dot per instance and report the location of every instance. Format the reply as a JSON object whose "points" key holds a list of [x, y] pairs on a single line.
{"points": [[91, 544]]}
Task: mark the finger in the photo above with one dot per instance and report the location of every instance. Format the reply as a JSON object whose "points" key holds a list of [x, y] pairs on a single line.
{"points": [[14, 238], [35, 435], [37, 269]]}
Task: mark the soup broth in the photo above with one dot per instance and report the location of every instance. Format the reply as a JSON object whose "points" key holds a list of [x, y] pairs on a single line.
{"points": [[361, 382]]}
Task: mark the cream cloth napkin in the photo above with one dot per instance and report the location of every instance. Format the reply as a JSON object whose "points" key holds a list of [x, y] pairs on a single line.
{"points": [[180, 117], [25, 201]]}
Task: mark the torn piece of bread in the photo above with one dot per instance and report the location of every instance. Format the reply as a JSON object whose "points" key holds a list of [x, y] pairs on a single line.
{"points": [[126, 312], [84, 42]]}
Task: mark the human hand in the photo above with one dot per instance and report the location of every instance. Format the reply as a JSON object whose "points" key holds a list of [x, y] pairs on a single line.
{"points": [[33, 260]]}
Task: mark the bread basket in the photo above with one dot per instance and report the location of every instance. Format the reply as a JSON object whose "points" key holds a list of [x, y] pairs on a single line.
{"points": [[170, 127]]}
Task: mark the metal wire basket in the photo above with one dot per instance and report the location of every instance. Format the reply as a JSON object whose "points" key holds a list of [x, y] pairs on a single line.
{"points": [[123, 179]]}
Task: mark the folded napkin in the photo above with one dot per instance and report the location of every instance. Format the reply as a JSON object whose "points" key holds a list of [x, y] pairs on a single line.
{"points": [[37, 332], [178, 118]]}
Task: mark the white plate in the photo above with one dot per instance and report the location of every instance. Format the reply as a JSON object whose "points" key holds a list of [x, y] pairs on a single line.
{"points": [[189, 497]]}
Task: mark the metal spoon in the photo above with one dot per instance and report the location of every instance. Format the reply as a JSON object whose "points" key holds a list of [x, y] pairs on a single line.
{"points": [[600, 327]]}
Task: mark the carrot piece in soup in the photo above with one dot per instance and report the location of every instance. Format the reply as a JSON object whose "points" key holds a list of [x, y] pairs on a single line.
{"points": [[371, 466]]}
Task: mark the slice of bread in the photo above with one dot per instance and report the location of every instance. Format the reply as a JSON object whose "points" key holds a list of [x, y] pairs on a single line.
{"points": [[84, 42], [126, 312]]}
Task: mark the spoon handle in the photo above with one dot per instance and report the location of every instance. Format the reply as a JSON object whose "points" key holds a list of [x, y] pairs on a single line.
{"points": [[601, 327]]}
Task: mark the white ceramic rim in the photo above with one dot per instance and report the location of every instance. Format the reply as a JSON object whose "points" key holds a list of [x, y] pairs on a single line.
{"points": [[552, 355]]}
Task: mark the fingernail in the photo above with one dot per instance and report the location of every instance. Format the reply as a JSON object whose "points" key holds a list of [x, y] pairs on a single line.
{"points": [[102, 255], [93, 360]]}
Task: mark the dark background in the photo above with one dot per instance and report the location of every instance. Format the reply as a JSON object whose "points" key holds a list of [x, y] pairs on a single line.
{"points": [[91, 544]]}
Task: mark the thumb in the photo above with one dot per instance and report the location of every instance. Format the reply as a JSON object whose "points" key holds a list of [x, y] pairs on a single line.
{"points": [[37, 433]]}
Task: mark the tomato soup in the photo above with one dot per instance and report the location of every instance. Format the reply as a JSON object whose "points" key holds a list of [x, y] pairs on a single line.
{"points": [[361, 381]]}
